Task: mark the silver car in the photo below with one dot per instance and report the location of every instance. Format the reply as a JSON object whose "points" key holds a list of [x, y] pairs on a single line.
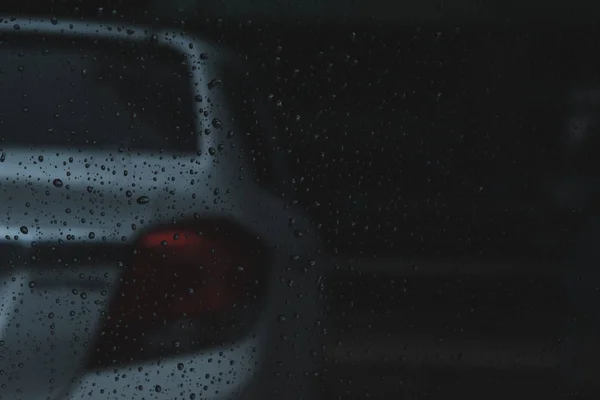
{"points": [[140, 257]]}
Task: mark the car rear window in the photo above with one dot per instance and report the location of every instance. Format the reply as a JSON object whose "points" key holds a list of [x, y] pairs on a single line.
{"points": [[86, 93]]}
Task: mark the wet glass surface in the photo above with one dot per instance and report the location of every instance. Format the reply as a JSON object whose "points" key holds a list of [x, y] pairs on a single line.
{"points": [[208, 200]]}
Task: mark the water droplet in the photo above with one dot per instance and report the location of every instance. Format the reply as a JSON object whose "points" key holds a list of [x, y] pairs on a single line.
{"points": [[57, 183], [51, 315], [215, 83], [180, 366], [204, 56], [143, 200], [40, 158], [158, 388], [216, 123], [83, 296], [212, 151], [2, 157], [24, 230], [54, 21], [91, 235], [198, 98], [32, 284]]}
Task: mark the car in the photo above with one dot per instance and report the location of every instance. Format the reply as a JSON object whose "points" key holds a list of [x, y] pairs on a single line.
{"points": [[141, 259]]}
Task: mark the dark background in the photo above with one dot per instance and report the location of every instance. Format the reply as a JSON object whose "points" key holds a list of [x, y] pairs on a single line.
{"points": [[437, 162]]}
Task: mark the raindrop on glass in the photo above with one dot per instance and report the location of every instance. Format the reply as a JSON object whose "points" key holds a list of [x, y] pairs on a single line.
{"points": [[215, 83], [143, 200], [216, 123]]}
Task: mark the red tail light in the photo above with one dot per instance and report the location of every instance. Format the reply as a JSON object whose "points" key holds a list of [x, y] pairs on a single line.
{"points": [[190, 286]]}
